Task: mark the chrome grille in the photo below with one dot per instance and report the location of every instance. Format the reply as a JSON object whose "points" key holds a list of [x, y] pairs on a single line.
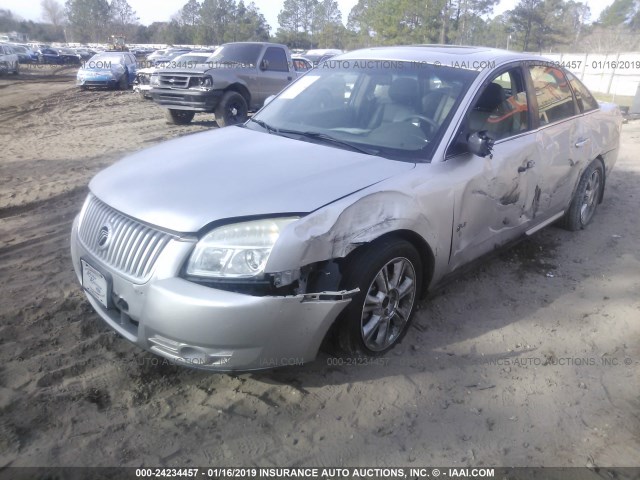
{"points": [[124, 244], [174, 81]]}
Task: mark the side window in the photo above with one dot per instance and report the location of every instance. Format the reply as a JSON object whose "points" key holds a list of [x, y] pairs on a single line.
{"points": [[277, 59], [555, 100], [502, 108], [586, 102]]}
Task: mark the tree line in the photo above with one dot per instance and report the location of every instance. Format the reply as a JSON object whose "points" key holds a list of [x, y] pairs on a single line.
{"points": [[532, 25]]}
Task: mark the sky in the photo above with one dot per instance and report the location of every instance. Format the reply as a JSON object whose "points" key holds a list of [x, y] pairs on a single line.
{"points": [[151, 11]]}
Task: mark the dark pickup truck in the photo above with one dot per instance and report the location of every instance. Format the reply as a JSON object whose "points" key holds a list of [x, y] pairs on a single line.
{"points": [[235, 80]]}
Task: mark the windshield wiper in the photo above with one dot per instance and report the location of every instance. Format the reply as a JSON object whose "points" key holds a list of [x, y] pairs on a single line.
{"points": [[328, 139], [264, 125], [315, 136]]}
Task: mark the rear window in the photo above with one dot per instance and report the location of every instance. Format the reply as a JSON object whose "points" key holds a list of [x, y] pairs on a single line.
{"points": [[585, 100]]}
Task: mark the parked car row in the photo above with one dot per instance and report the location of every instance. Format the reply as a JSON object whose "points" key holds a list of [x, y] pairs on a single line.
{"points": [[318, 56], [59, 56], [9, 62]]}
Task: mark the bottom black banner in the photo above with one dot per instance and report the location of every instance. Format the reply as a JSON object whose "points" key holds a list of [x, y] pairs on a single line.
{"points": [[323, 473]]}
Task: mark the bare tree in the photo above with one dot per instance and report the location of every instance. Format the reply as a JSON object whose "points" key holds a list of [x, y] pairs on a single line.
{"points": [[122, 14], [52, 12]]}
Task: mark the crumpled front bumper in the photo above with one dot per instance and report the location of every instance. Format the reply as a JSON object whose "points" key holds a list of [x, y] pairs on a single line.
{"points": [[202, 327]]}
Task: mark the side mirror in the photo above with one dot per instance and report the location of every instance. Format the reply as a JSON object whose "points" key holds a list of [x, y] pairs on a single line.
{"points": [[480, 143], [264, 65], [268, 100]]}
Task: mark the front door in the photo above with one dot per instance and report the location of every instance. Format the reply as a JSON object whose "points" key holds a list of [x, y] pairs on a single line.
{"points": [[500, 196]]}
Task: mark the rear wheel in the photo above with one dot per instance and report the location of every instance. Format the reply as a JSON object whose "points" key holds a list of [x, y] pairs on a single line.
{"points": [[179, 117], [388, 274], [586, 198], [231, 110]]}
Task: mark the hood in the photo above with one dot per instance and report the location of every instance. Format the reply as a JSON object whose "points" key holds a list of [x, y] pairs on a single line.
{"points": [[184, 184], [98, 68]]}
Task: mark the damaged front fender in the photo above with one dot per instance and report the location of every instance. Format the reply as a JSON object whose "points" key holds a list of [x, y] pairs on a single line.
{"points": [[337, 229]]}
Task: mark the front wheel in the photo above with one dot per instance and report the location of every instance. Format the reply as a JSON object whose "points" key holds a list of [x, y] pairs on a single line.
{"points": [[124, 81], [179, 117], [389, 276], [231, 110], [586, 198]]}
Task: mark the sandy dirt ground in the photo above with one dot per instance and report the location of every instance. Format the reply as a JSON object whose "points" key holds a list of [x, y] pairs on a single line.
{"points": [[531, 359]]}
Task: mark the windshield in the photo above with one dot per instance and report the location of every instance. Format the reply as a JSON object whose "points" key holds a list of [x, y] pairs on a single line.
{"points": [[393, 109], [242, 54]]}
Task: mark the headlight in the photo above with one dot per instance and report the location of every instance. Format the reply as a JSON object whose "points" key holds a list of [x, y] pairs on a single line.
{"points": [[240, 250], [202, 82], [155, 79]]}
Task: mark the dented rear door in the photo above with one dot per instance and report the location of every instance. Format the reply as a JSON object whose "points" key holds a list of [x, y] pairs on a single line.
{"points": [[561, 138]]}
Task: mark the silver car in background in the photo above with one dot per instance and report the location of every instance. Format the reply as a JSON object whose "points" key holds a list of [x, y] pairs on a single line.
{"points": [[367, 182]]}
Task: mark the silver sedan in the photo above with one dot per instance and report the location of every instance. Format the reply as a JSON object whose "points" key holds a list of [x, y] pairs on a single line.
{"points": [[364, 184]]}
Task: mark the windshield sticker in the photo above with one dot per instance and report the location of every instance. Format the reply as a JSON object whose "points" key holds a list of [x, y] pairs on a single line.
{"points": [[299, 86]]}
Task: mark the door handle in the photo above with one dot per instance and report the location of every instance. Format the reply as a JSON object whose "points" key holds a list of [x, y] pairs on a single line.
{"points": [[289, 78], [527, 166], [582, 142]]}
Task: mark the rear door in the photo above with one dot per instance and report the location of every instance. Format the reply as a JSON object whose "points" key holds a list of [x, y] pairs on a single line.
{"points": [[561, 137]]}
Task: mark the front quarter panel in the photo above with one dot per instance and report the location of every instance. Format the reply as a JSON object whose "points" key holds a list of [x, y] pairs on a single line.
{"points": [[420, 201]]}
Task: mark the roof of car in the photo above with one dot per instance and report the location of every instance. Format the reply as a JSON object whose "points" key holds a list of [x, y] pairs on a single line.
{"points": [[195, 54], [446, 55]]}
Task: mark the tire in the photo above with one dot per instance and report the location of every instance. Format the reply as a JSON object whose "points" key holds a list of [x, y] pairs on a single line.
{"points": [[586, 198], [16, 70], [179, 117], [123, 84], [231, 110], [369, 328]]}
